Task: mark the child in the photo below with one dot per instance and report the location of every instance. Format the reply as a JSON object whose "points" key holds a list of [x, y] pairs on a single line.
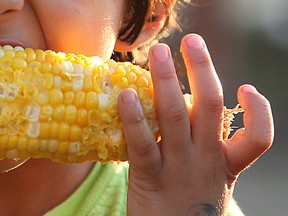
{"points": [[191, 171]]}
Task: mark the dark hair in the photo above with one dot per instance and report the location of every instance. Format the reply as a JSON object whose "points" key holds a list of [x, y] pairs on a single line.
{"points": [[138, 12]]}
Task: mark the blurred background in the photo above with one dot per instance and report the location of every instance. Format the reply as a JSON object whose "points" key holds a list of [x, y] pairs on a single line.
{"points": [[248, 41]]}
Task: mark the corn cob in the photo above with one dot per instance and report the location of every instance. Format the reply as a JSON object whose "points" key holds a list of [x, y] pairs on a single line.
{"points": [[64, 106]]}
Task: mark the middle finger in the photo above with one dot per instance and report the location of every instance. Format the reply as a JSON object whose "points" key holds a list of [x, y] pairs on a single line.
{"points": [[207, 111]]}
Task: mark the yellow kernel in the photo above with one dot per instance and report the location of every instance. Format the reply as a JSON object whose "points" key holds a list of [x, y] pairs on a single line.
{"points": [[10, 53], [8, 47], [76, 133], [143, 93], [105, 117], [34, 66], [24, 154], [44, 145], [82, 117], [62, 148], [44, 130], [56, 68], [5, 64], [31, 56], [67, 86], [80, 99], [49, 57], [46, 113], [53, 145], [22, 128], [16, 48], [48, 81], [147, 75], [91, 100], [33, 145], [96, 86], [46, 67], [131, 77], [142, 82], [121, 70], [69, 97], [124, 83], [54, 130], [74, 148], [94, 117], [3, 142], [56, 97], [136, 69], [40, 56], [70, 114], [116, 77], [43, 97], [12, 142], [12, 154], [59, 113], [58, 83], [113, 109], [87, 83], [23, 143], [64, 132], [19, 64], [21, 54]]}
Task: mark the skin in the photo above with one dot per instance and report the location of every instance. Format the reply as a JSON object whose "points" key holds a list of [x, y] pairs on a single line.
{"points": [[191, 171]]}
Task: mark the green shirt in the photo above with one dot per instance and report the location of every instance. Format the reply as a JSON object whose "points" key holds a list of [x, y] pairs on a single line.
{"points": [[104, 193]]}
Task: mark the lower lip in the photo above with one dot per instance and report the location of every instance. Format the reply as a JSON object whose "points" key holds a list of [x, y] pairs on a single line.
{"points": [[13, 44]]}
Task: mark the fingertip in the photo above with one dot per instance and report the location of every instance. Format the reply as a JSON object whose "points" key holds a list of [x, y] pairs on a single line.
{"points": [[193, 41], [127, 97], [248, 89], [244, 92]]}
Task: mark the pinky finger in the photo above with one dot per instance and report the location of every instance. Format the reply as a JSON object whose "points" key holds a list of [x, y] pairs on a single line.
{"points": [[250, 142]]}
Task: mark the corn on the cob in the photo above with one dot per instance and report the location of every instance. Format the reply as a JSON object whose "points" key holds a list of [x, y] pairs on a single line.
{"points": [[64, 106]]}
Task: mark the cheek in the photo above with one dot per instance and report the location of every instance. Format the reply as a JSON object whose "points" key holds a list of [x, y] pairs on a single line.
{"points": [[85, 31]]}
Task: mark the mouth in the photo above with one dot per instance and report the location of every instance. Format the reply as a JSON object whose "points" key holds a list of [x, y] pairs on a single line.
{"points": [[13, 43]]}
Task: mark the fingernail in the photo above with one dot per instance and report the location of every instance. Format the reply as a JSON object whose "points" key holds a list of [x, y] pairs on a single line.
{"points": [[195, 41], [161, 53], [249, 89], [128, 98]]}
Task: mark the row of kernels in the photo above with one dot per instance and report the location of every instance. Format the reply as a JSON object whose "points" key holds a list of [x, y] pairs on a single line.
{"points": [[67, 114], [60, 131], [37, 148], [85, 83], [88, 100], [28, 54]]}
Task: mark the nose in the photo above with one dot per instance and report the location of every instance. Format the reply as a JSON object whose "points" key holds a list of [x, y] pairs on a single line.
{"points": [[8, 6]]}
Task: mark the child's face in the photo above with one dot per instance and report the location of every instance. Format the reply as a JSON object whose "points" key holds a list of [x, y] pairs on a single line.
{"points": [[88, 27]]}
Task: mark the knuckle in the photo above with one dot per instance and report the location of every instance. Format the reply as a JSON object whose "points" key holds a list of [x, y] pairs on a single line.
{"points": [[177, 114], [145, 146], [213, 104], [202, 63], [167, 75]]}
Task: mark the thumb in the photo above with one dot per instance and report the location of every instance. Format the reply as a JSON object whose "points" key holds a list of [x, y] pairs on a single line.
{"points": [[250, 142]]}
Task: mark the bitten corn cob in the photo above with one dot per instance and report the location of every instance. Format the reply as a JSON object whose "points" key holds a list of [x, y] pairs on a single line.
{"points": [[64, 106]]}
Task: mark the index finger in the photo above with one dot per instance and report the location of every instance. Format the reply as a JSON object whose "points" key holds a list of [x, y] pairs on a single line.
{"points": [[171, 108]]}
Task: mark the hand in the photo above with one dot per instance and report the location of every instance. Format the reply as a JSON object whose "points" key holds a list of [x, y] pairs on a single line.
{"points": [[192, 169]]}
